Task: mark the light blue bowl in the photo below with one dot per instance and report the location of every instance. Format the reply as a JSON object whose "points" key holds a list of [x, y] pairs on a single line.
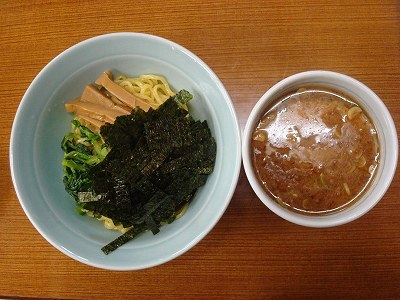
{"points": [[41, 122]]}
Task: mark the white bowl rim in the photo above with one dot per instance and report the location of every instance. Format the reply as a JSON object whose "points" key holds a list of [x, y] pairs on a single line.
{"points": [[237, 162], [341, 217]]}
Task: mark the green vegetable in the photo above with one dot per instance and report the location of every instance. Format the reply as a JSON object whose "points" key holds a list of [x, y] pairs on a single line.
{"points": [[82, 150]]}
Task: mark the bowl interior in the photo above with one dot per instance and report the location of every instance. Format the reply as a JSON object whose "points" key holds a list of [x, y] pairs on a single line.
{"points": [[41, 122], [375, 108]]}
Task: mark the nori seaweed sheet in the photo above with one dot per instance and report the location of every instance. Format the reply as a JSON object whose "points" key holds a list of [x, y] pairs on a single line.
{"points": [[158, 159]]}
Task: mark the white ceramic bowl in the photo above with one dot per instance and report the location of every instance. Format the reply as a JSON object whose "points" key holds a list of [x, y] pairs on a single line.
{"points": [[386, 132], [41, 122]]}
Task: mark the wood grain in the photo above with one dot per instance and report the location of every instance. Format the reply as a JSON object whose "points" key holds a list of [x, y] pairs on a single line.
{"points": [[251, 253]]}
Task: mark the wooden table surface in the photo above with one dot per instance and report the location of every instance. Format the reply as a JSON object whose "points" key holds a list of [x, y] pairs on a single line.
{"points": [[250, 44]]}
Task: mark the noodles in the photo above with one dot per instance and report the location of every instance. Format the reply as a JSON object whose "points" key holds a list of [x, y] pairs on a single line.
{"points": [[107, 222], [102, 102], [151, 88]]}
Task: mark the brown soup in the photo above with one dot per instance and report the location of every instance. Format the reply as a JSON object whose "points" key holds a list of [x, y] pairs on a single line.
{"points": [[315, 150]]}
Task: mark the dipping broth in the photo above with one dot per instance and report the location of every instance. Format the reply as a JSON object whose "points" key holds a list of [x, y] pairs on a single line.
{"points": [[315, 150]]}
